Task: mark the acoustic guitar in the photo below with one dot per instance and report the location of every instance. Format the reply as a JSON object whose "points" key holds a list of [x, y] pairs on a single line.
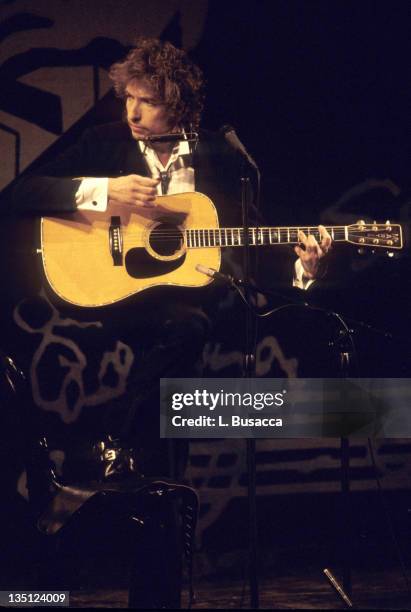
{"points": [[94, 259]]}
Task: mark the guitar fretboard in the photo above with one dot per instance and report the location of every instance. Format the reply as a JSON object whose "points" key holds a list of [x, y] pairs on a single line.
{"points": [[257, 236]]}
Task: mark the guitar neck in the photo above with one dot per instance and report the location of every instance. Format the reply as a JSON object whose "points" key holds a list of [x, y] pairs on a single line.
{"points": [[257, 236]]}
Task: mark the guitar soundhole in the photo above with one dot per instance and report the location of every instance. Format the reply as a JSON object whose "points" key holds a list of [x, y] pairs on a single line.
{"points": [[166, 239]]}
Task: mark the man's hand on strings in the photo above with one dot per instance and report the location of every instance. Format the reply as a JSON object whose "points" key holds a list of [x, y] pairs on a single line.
{"points": [[133, 190], [311, 253]]}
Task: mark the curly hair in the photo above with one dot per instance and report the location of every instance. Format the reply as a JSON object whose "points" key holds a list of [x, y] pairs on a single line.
{"points": [[175, 80]]}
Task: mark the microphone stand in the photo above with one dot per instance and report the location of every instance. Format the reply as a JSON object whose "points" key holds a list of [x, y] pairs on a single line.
{"points": [[346, 355], [249, 372], [249, 355], [249, 350]]}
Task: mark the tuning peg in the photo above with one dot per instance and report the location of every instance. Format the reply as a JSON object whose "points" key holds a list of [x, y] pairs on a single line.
{"points": [[390, 254], [388, 222], [361, 251]]}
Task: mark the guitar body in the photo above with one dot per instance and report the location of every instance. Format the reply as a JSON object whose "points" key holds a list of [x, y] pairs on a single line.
{"points": [[95, 259]]}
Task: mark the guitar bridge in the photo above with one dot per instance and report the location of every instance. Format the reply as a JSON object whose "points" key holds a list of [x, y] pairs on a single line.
{"points": [[115, 237]]}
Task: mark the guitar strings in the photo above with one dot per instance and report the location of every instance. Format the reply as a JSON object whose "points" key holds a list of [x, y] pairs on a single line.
{"points": [[228, 232], [222, 241], [203, 233]]}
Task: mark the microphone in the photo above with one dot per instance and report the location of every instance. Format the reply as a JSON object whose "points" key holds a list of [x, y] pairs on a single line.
{"points": [[172, 137], [225, 278], [231, 137]]}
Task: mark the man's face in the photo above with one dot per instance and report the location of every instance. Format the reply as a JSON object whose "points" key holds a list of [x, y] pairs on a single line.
{"points": [[146, 115]]}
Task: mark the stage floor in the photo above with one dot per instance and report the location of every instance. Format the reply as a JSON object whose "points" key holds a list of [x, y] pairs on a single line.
{"points": [[385, 590]]}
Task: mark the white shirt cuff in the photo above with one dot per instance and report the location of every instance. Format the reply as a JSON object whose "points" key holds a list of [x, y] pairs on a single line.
{"points": [[92, 194], [299, 280]]}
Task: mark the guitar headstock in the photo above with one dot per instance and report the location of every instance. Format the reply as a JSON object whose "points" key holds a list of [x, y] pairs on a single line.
{"points": [[376, 235]]}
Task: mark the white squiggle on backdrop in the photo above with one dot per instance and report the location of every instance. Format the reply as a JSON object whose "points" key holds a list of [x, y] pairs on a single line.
{"points": [[121, 359], [215, 358]]}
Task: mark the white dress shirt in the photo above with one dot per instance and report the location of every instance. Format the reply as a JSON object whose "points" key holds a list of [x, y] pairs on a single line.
{"points": [[92, 193]]}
